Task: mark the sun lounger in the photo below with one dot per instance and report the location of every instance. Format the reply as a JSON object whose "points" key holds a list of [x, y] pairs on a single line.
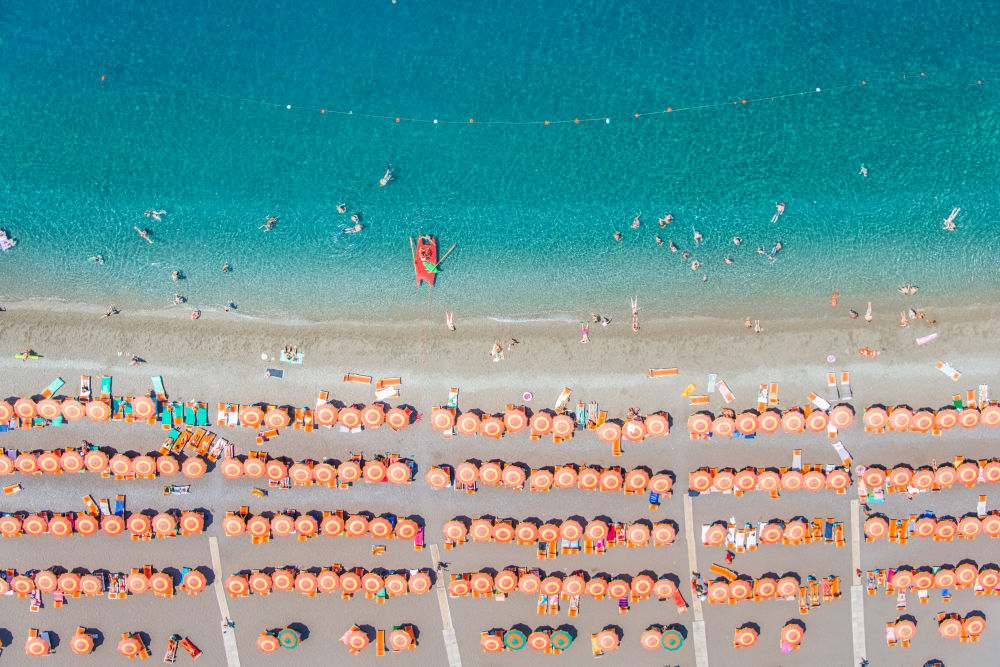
{"points": [[661, 372], [360, 379], [762, 398], [845, 456], [563, 399], [772, 394], [820, 403], [106, 388], [797, 459], [845, 386], [386, 393], [724, 390], [948, 370], [53, 387], [161, 393], [831, 388], [388, 382], [710, 385], [84, 387], [700, 400]]}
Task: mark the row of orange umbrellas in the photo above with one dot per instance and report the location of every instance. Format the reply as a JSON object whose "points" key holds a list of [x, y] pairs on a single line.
{"points": [[512, 475], [953, 626], [96, 461], [638, 587], [372, 415], [775, 531], [965, 575], [879, 418], [636, 534], [91, 584], [305, 473], [544, 640], [742, 588], [162, 524], [328, 580], [560, 425], [968, 472], [794, 420], [877, 526], [331, 524], [50, 409], [704, 480]]}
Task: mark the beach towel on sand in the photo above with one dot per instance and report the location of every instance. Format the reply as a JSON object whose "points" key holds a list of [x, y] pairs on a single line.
{"points": [[274, 373]]}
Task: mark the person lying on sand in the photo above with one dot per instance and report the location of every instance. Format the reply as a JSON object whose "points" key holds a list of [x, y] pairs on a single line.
{"points": [[585, 331], [449, 320], [835, 297], [27, 353], [111, 311]]}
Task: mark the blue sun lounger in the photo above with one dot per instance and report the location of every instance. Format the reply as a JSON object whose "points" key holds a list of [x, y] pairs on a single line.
{"points": [[161, 393]]}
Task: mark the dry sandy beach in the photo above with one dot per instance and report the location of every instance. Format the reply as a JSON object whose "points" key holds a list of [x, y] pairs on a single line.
{"points": [[218, 358]]}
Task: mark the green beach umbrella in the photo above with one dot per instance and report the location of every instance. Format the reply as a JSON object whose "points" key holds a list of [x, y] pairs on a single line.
{"points": [[671, 640], [514, 640], [288, 638], [561, 640]]}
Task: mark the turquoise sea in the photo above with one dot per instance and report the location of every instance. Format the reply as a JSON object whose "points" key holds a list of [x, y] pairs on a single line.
{"points": [[191, 117]]}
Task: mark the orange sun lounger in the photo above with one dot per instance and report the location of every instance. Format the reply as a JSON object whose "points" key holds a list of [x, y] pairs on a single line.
{"points": [[360, 379], [661, 372]]}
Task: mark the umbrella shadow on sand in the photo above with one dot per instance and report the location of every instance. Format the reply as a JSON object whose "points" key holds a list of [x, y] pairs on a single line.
{"points": [[303, 630]]}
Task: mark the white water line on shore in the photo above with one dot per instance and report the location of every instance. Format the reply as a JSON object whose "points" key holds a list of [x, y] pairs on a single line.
{"points": [[857, 595], [228, 638], [450, 639], [698, 626]]}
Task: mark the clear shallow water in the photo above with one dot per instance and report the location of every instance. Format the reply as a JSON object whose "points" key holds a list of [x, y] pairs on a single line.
{"points": [[191, 119]]}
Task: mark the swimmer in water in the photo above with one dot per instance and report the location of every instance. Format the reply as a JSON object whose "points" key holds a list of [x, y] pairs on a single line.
{"points": [[697, 236], [175, 276], [737, 240], [728, 260], [144, 233], [342, 208], [666, 220], [864, 171], [704, 278], [760, 251], [780, 206], [685, 254], [96, 258], [695, 264], [386, 178], [673, 248], [356, 217], [225, 268], [155, 215], [267, 226], [354, 230], [635, 220], [659, 241], [618, 236]]}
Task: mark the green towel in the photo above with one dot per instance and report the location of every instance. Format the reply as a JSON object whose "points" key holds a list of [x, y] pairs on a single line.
{"points": [[202, 417]]}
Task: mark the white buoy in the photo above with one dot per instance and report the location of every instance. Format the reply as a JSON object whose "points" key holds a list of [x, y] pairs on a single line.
{"points": [[288, 106]]}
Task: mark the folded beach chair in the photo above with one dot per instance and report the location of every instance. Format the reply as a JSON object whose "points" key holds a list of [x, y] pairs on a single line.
{"points": [[724, 390], [84, 387], [948, 370], [772, 394], [797, 459], [563, 399], [831, 388], [161, 393], [661, 372], [820, 403], [845, 386], [53, 387]]}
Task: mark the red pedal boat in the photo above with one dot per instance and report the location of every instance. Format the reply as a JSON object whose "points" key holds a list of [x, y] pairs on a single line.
{"points": [[425, 259]]}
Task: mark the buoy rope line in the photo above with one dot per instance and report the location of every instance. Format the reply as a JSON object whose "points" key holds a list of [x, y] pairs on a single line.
{"points": [[590, 119]]}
